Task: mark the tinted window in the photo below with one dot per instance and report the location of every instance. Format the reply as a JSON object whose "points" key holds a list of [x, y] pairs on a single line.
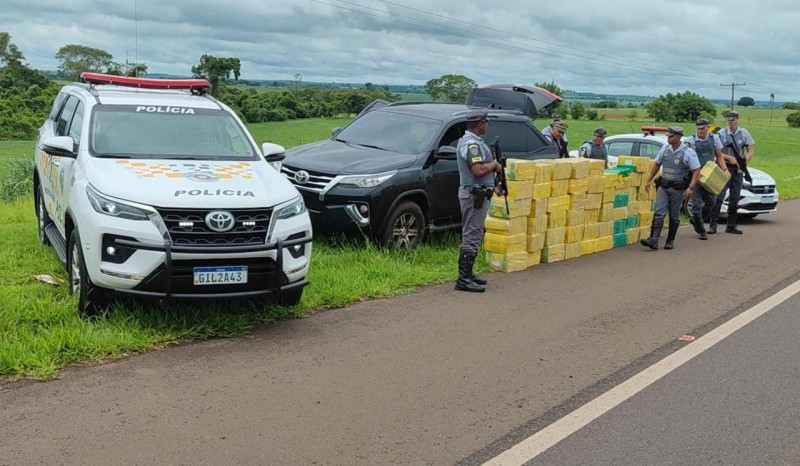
{"points": [[57, 106], [617, 148], [515, 136], [647, 149], [76, 125], [62, 125], [186, 133], [390, 131]]}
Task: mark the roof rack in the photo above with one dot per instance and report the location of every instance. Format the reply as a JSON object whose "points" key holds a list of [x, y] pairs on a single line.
{"points": [[149, 83]]}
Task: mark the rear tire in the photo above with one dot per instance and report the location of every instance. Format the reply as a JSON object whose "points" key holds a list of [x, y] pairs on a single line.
{"points": [[405, 228], [91, 299], [42, 217]]}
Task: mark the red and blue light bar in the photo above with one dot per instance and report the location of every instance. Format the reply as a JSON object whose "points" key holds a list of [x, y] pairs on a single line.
{"points": [[148, 83]]}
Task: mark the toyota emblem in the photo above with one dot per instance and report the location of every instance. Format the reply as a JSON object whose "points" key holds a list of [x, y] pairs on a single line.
{"points": [[220, 221], [301, 177]]}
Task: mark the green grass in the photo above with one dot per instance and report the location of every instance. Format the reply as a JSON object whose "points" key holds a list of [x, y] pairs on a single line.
{"points": [[40, 331]]}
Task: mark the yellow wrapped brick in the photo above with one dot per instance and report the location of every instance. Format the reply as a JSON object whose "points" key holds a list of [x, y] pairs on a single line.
{"points": [[652, 193], [553, 253], [578, 185], [641, 163], [572, 250], [605, 229], [632, 192], [538, 207], [557, 204], [504, 244], [557, 219], [506, 226], [519, 170], [592, 215], [623, 183], [588, 247], [604, 243], [596, 184], [580, 168], [576, 217], [642, 194], [534, 258], [537, 225], [645, 206], [516, 207], [520, 189], [591, 231], [544, 171], [608, 194], [646, 218], [620, 213], [633, 235], [644, 232], [541, 190], [554, 236], [594, 200], [577, 201], [636, 179], [513, 262], [712, 178], [633, 208], [573, 234], [611, 180], [562, 169], [535, 243], [559, 187], [596, 165], [607, 211]]}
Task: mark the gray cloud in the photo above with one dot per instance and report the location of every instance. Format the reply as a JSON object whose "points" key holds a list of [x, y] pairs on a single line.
{"points": [[617, 46]]}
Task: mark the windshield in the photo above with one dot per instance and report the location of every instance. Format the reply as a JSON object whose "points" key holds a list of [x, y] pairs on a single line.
{"points": [[391, 131], [137, 131]]}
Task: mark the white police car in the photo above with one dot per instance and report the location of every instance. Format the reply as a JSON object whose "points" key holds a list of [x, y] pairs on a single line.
{"points": [[759, 197], [149, 188]]}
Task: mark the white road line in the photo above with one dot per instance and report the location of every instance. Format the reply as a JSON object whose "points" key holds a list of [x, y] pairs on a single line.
{"points": [[539, 442]]}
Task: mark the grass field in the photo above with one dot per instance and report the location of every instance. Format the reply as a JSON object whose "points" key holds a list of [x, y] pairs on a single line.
{"points": [[40, 331]]}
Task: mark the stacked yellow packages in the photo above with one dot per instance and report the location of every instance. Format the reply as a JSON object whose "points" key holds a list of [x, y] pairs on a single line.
{"points": [[504, 244], [712, 178], [508, 262], [519, 170], [642, 164], [506, 226], [515, 207]]}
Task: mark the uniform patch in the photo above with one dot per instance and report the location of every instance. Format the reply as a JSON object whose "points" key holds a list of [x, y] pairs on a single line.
{"points": [[477, 159], [473, 149]]}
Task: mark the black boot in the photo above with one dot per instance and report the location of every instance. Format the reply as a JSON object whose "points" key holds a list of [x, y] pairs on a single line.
{"points": [[464, 282], [655, 233], [731, 228], [712, 227], [673, 231], [477, 279]]}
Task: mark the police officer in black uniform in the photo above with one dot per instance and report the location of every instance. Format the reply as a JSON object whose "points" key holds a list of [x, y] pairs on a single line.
{"points": [[678, 180], [476, 171], [595, 149]]}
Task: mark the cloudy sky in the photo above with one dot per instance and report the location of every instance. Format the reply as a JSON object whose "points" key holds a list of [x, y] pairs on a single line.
{"points": [[648, 47]]}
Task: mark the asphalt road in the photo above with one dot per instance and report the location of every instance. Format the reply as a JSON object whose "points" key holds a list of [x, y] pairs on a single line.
{"points": [[435, 377]]}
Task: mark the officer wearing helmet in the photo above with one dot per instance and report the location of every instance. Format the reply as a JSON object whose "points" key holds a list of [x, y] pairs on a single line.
{"points": [[708, 148], [476, 172], [595, 149], [678, 180]]}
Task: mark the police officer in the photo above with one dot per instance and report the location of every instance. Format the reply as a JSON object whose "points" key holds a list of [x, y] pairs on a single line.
{"points": [[708, 147], [595, 149], [476, 169], [681, 170], [555, 118], [557, 137], [732, 135]]}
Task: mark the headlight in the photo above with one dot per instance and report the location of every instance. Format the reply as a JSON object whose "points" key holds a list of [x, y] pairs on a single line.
{"points": [[366, 181], [297, 207], [114, 207]]}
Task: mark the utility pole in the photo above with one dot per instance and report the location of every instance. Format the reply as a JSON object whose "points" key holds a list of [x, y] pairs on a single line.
{"points": [[732, 86]]}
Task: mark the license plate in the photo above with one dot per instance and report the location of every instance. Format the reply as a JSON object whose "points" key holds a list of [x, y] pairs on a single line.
{"points": [[220, 275], [767, 199]]}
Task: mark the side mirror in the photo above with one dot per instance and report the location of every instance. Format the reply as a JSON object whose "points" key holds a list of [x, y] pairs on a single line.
{"points": [[446, 153], [274, 153], [60, 146], [335, 131]]}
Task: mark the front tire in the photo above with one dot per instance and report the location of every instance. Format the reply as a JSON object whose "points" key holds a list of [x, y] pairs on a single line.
{"points": [[91, 299], [406, 226], [290, 298], [42, 217]]}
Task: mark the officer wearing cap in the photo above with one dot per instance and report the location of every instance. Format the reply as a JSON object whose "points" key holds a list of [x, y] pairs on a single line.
{"points": [[595, 149], [558, 132], [476, 169], [708, 148], [555, 118], [739, 137], [679, 175]]}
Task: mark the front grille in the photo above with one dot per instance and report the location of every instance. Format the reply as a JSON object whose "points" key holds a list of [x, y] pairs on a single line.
{"points": [[199, 234], [311, 199], [766, 189], [317, 181], [759, 206], [262, 274]]}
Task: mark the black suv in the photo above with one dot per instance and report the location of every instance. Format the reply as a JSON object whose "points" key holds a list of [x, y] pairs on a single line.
{"points": [[392, 172]]}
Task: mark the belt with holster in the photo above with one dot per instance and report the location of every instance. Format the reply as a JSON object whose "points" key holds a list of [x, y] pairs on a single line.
{"points": [[682, 184], [480, 194]]}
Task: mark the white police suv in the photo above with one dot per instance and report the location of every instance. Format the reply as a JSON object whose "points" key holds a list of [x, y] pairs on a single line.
{"points": [[149, 188]]}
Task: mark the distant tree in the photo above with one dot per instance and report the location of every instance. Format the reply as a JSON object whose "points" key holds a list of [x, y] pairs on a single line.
{"points": [[76, 59], [592, 114], [216, 70], [369, 86], [679, 107], [746, 102], [577, 110], [450, 88], [791, 105], [9, 53], [659, 110], [633, 115], [552, 87], [793, 119]]}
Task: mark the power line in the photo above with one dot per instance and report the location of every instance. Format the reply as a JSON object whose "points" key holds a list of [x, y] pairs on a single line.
{"points": [[732, 86]]}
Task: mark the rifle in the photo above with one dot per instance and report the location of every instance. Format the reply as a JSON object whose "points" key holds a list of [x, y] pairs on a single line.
{"points": [[740, 159], [500, 178]]}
